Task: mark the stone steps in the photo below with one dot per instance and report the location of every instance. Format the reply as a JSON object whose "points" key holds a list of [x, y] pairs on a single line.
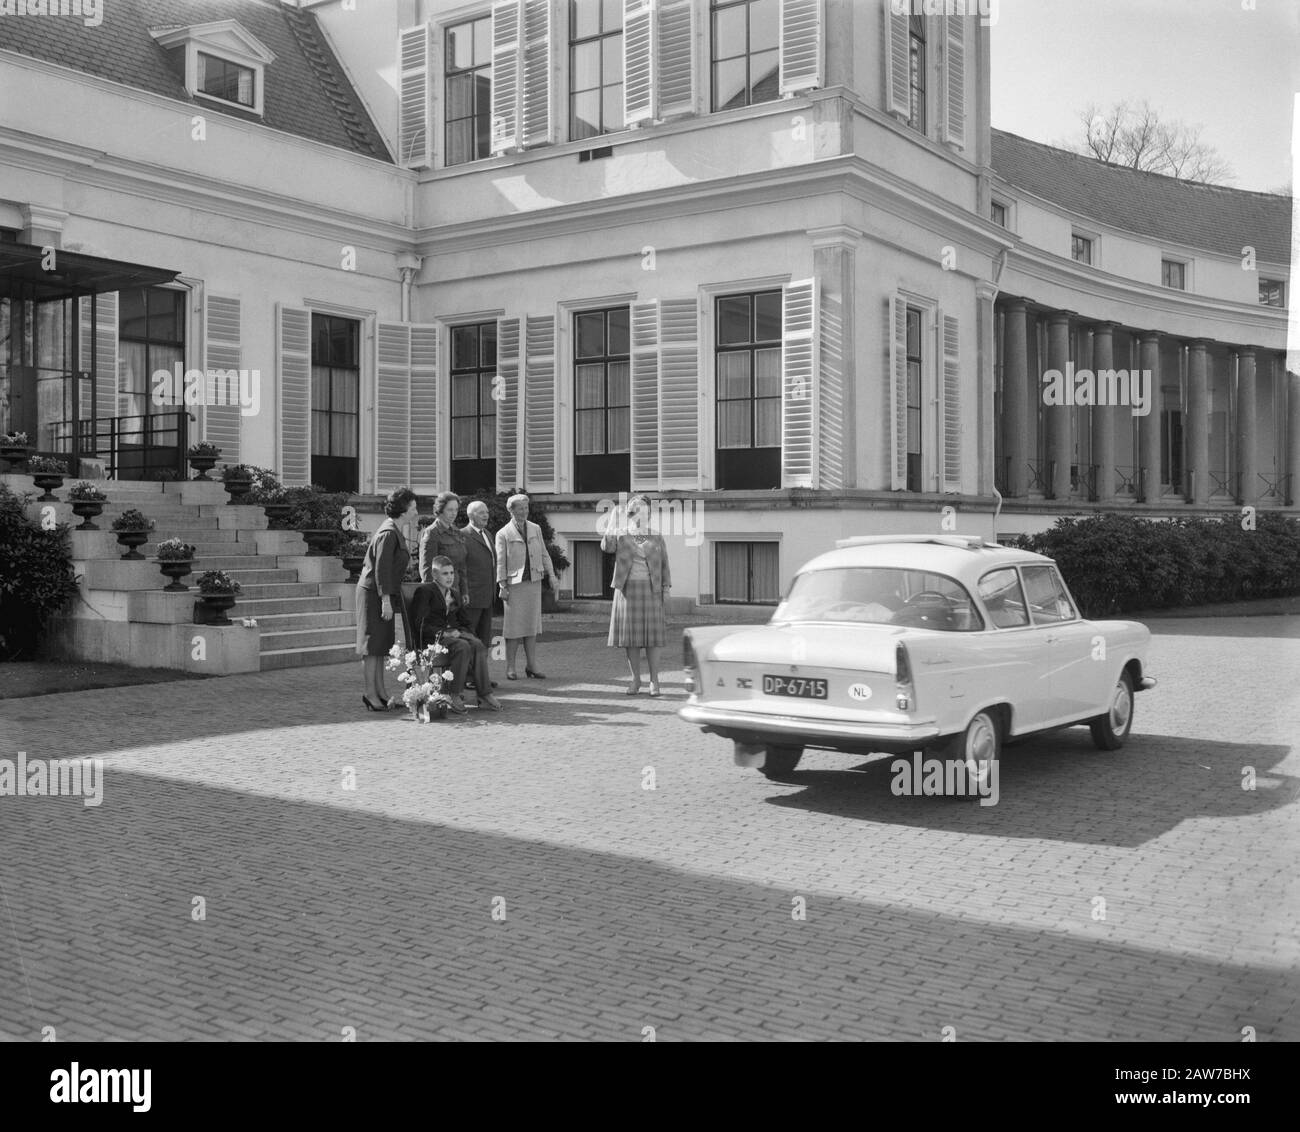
{"points": [[280, 590], [256, 607], [301, 657], [279, 640], [323, 619], [238, 564], [255, 578]]}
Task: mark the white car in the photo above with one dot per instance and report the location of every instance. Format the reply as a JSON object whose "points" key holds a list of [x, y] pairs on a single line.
{"points": [[923, 643]]}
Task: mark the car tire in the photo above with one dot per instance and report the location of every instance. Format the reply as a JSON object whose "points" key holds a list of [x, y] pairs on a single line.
{"points": [[979, 747], [779, 762], [1110, 730]]}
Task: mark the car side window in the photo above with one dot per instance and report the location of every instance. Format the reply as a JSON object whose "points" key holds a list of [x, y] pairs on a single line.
{"points": [[1002, 596], [1048, 601]]}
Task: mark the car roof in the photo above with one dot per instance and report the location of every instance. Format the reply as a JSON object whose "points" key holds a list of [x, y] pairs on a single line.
{"points": [[964, 557]]}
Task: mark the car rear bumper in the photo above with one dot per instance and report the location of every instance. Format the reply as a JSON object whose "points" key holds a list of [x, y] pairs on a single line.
{"points": [[747, 727]]}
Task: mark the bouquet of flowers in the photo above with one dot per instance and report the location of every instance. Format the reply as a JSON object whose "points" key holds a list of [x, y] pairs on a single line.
{"points": [[424, 697]]}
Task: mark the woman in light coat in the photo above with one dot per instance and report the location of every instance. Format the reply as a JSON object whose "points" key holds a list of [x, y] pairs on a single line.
{"points": [[641, 584], [522, 563]]}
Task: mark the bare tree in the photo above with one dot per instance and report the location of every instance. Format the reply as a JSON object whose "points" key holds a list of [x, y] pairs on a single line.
{"points": [[1138, 138]]}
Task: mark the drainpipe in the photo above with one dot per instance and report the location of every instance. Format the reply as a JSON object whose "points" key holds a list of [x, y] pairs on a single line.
{"points": [[409, 266]]}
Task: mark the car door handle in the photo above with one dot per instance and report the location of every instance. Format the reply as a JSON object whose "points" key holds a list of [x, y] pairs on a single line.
{"points": [[1051, 640]]}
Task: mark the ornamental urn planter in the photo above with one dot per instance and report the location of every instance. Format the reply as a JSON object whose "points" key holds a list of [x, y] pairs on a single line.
{"points": [[47, 482], [16, 454], [176, 569], [213, 608], [203, 465], [238, 488], [130, 540], [320, 543], [352, 563], [85, 510], [276, 512]]}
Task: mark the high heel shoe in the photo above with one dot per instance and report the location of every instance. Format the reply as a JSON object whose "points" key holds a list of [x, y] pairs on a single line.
{"points": [[371, 707], [654, 689], [633, 689], [512, 675], [535, 675]]}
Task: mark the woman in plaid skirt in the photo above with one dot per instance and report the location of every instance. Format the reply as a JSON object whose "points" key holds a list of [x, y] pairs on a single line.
{"points": [[641, 584]]}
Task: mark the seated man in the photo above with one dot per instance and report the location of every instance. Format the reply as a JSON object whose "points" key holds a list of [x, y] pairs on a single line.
{"points": [[435, 609]]}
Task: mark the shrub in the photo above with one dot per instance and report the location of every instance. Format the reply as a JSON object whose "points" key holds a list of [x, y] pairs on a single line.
{"points": [[203, 448], [266, 486], [315, 509], [1118, 563], [46, 466], [36, 576]]}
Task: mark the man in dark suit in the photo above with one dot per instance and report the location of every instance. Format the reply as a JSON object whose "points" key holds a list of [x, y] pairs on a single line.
{"points": [[436, 609], [480, 571]]}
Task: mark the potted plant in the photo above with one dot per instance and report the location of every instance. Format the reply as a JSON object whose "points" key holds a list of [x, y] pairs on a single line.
{"points": [[14, 448], [422, 672], [202, 456], [217, 592], [238, 481], [352, 551], [267, 493], [132, 529], [87, 502], [550, 599], [317, 515], [175, 559], [48, 474]]}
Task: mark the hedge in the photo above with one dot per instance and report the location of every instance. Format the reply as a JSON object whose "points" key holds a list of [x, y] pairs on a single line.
{"points": [[36, 576], [1117, 563]]}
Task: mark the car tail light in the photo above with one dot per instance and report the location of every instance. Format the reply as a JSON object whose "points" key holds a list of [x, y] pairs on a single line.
{"points": [[905, 697], [688, 662]]}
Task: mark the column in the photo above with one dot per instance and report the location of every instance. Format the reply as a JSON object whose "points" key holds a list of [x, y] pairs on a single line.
{"points": [[1247, 427], [1103, 416], [1149, 425], [1058, 416], [1198, 420], [1292, 434], [985, 293], [1015, 398]]}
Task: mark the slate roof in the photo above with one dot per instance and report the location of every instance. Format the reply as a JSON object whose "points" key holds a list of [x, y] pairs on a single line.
{"points": [[306, 93], [1212, 217]]}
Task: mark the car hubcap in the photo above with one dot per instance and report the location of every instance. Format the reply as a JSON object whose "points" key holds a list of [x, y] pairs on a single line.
{"points": [[1121, 709], [981, 746]]}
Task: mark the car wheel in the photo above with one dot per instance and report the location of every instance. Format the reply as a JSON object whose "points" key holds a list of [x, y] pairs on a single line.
{"points": [[779, 762], [978, 747], [1110, 730]]}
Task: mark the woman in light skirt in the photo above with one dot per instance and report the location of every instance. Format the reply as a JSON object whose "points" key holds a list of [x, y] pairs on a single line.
{"points": [[522, 563], [641, 584]]}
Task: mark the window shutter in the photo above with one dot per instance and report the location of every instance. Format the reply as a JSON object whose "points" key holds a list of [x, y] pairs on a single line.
{"points": [[293, 398], [950, 406], [424, 408], [106, 368], [413, 131], [798, 383], [896, 333], [539, 403], [537, 73], [505, 75], [674, 58], [639, 61], [645, 396], [954, 41], [222, 351], [898, 91], [801, 45], [392, 405], [679, 394], [508, 477]]}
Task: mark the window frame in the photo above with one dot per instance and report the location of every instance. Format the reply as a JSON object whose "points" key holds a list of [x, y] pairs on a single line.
{"points": [[749, 543], [180, 297], [573, 43], [1054, 573], [1186, 267], [624, 457], [1082, 241], [479, 371], [990, 621], [447, 73], [1006, 213], [917, 73], [1280, 284], [714, 7], [330, 413], [717, 348]]}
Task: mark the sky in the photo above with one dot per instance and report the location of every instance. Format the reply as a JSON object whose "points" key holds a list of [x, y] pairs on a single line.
{"points": [[1230, 66]]}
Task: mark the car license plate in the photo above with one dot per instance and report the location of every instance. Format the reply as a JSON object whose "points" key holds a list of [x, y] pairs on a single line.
{"points": [[797, 686]]}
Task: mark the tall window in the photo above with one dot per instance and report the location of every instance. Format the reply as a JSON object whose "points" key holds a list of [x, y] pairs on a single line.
{"points": [[468, 134], [746, 573], [151, 337], [595, 67], [602, 401], [473, 409], [746, 64], [1271, 292], [1171, 440], [220, 78], [915, 383], [1173, 274], [748, 367], [1081, 249], [916, 72], [335, 402]]}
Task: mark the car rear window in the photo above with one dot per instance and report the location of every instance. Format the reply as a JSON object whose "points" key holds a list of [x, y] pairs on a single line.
{"points": [[878, 595]]}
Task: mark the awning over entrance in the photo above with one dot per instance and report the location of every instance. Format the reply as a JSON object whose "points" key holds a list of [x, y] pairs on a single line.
{"points": [[23, 276]]}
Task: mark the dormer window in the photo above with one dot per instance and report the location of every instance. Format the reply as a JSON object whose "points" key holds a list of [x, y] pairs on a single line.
{"points": [[221, 61]]}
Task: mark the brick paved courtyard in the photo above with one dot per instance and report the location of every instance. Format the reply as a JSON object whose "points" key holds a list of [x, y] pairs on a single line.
{"points": [[628, 908]]}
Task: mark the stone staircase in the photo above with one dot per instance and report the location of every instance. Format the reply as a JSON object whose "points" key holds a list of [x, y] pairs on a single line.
{"points": [[303, 606]]}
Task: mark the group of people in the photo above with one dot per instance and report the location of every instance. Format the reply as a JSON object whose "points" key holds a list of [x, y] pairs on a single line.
{"points": [[462, 569]]}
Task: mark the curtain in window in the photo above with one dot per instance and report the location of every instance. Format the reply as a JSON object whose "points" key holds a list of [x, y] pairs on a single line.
{"points": [[586, 569], [731, 580], [765, 584], [246, 87]]}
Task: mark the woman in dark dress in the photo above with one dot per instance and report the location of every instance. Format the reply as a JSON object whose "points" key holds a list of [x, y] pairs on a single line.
{"points": [[379, 593]]}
